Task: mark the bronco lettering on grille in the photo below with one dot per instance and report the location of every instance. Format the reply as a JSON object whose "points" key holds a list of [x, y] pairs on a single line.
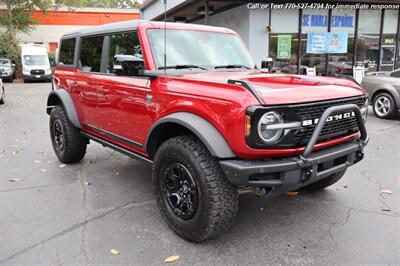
{"points": [[310, 122]]}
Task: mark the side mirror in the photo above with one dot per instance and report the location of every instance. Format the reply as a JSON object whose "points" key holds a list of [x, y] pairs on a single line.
{"points": [[13, 65], [267, 63], [127, 65]]}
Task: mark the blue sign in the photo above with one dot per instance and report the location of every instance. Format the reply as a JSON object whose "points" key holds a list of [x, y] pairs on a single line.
{"points": [[315, 20], [327, 42], [316, 43], [336, 42], [312, 20], [342, 21]]}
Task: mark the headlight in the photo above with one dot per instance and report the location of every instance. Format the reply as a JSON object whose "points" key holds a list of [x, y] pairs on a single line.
{"points": [[266, 131], [25, 70]]}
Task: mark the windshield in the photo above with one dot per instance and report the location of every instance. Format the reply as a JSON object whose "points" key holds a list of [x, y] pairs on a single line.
{"points": [[198, 48], [36, 60], [5, 62]]}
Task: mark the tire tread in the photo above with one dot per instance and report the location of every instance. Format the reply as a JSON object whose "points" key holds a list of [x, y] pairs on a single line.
{"points": [[223, 197]]}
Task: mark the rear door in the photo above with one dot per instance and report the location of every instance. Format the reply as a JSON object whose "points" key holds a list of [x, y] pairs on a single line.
{"points": [[123, 100]]}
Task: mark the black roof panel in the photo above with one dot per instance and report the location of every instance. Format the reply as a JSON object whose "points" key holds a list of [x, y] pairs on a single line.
{"points": [[106, 28]]}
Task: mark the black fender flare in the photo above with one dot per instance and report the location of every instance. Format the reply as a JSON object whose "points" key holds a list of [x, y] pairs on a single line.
{"points": [[61, 95], [200, 127]]}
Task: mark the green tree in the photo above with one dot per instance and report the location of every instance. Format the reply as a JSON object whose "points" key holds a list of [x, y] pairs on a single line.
{"points": [[18, 15], [17, 18], [9, 47]]}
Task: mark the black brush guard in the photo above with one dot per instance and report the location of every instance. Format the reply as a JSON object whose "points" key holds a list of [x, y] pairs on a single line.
{"points": [[291, 173]]}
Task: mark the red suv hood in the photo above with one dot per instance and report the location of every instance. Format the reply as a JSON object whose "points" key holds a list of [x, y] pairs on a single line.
{"points": [[286, 89]]}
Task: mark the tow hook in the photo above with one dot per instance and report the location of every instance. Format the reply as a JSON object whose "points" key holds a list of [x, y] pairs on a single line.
{"points": [[359, 156], [306, 174]]}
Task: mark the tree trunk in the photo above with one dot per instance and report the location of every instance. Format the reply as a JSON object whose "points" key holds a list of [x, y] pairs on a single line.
{"points": [[10, 26]]}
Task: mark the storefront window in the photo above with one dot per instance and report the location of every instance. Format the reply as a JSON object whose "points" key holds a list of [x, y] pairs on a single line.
{"points": [[343, 21], [368, 39], [388, 50], [283, 40], [313, 22], [283, 50]]}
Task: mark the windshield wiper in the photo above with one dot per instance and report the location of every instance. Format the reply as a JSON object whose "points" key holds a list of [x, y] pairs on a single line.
{"points": [[232, 66], [182, 67]]}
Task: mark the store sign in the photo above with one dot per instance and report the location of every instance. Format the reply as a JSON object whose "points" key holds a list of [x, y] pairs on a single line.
{"points": [[388, 40], [316, 20], [284, 46], [342, 21], [327, 42]]}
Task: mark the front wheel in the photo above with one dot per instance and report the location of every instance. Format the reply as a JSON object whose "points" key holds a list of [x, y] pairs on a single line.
{"points": [[192, 193], [68, 144], [384, 106]]}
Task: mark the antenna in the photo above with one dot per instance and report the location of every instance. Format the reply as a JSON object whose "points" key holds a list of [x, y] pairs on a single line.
{"points": [[165, 36]]}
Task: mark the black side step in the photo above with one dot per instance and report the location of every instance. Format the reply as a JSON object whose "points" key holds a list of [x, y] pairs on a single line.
{"points": [[122, 150]]}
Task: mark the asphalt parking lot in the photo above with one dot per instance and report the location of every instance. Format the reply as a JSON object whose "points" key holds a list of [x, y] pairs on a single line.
{"points": [[75, 214]]}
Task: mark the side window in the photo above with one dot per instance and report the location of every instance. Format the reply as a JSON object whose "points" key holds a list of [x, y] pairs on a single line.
{"points": [[91, 53], [67, 52], [123, 44], [395, 74]]}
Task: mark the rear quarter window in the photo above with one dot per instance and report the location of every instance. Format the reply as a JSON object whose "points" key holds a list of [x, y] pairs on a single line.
{"points": [[67, 52]]}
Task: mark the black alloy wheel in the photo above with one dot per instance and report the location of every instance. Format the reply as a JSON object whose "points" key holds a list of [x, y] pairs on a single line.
{"points": [[180, 190], [58, 134]]}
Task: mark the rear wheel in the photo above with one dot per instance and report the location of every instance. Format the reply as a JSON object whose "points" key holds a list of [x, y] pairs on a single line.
{"points": [[384, 106], [192, 193], [68, 144], [326, 182]]}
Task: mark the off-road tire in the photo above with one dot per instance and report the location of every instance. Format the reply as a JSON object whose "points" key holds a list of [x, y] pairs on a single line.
{"points": [[217, 198], [393, 107], [326, 182], [74, 144], [2, 96]]}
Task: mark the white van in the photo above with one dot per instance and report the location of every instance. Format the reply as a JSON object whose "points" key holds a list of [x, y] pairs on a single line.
{"points": [[35, 63]]}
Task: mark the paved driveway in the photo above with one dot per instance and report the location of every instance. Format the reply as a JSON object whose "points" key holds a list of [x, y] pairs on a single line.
{"points": [[53, 216]]}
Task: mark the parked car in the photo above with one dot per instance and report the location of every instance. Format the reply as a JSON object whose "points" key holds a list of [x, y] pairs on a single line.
{"points": [[35, 63], [384, 92], [7, 70], [205, 118], [2, 93]]}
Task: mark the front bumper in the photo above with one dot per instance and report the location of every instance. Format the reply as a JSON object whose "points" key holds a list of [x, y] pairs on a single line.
{"points": [[37, 77], [3, 75], [287, 174]]}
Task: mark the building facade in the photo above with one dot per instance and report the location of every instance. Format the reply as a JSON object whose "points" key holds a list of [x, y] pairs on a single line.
{"points": [[52, 25], [330, 40]]}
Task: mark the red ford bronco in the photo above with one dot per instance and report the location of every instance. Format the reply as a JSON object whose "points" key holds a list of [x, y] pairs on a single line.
{"points": [[189, 100]]}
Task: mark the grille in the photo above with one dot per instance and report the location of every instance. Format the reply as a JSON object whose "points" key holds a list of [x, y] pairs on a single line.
{"points": [[37, 72], [331, 129]]}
